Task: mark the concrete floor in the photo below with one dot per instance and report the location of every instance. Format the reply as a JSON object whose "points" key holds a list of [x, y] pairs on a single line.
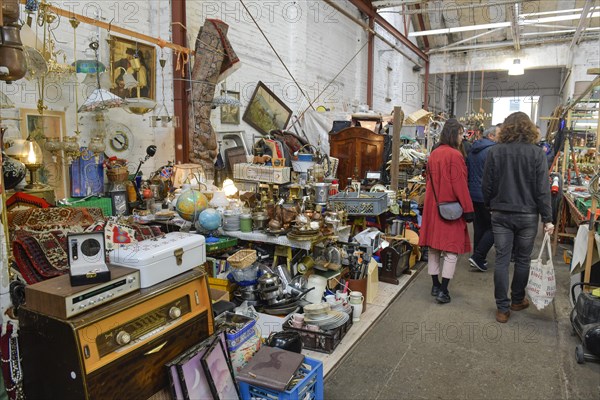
{"points": [[422, 350]]}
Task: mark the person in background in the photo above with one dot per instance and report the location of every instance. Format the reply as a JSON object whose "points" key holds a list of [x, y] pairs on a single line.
{"points": [[483, 237], [447, 176], [516, 190]]}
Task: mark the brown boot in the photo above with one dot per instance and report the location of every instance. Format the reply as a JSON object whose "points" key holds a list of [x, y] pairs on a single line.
{"points": [[520, 306], [502, 317]]}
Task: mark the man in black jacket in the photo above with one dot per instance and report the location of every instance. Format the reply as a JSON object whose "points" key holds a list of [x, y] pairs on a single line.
{"points": [[483, 237], [516, 190]]}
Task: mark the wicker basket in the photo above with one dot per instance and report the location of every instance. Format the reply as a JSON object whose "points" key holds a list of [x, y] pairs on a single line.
{"points": [[117, 174], [242, 259]]}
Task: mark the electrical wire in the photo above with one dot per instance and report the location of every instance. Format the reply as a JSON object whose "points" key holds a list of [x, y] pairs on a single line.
{"points": [[331, 81], [277, 54]]}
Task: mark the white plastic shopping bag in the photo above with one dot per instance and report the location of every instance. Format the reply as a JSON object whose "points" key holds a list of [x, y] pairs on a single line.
{"points": [[541, 286]]}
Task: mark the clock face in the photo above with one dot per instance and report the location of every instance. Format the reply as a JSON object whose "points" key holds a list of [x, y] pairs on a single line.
{"points": [[119, 141]]}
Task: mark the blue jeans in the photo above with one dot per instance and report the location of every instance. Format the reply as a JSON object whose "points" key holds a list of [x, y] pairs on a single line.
{"points": [[513, 233]]}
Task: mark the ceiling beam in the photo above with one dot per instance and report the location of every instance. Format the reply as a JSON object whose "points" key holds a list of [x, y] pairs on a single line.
{"points": [[422, 27], [581, 24], [456, 6], [514, 26], [533, 21], [523, 43], [395, 3], [370, 12], [445, 48]]}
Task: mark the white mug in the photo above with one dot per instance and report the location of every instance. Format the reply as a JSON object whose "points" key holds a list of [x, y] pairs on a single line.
{"points": [[330, 298], [341, 295]]}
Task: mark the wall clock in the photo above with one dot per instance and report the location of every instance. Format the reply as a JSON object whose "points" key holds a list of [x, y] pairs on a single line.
{"points": [[119, 140]]}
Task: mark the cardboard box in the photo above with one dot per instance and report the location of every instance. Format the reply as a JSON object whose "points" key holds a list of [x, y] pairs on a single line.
{"points": [[372, 281], [218, 295]]}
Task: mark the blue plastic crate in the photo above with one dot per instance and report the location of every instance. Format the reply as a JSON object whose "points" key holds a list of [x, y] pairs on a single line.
{"points": [[309, 388]]}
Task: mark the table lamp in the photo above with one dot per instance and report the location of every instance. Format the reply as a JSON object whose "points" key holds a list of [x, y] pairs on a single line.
{"points": [[187, 173], [229, 188], [32, 158]]}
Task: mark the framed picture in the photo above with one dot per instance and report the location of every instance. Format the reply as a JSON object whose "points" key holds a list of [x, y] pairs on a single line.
{"points": [[219, 372], [40, 127], [265, 111], [122, 55], [119, 203], [230, 114]]}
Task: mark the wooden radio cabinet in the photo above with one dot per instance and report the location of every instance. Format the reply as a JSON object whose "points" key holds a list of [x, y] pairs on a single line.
{"points": [[117, 351]]}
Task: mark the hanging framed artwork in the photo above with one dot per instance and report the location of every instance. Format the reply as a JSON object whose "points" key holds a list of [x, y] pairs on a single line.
{"points": [[137, 59], [266, 112], [40, 127], [230, 114]]}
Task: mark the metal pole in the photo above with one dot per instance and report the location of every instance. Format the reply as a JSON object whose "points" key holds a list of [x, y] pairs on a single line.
{"points": [[398, 120]]}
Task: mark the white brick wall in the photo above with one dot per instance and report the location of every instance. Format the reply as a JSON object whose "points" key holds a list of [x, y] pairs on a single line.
{"points": [[147, 17], [314, 40]]}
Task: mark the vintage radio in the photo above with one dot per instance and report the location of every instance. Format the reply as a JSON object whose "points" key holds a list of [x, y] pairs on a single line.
{"points": [[162, 257], [117, 351], [58, 298], [261, 173]]}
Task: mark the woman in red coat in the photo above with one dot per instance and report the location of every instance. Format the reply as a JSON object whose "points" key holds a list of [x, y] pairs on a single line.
{"points": [[447, 171]]}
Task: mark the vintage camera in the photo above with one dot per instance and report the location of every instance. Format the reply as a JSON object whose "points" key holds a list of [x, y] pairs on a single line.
{"points": [[87, 258]]}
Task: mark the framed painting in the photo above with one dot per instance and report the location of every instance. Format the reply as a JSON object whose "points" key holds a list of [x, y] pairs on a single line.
{"points": [[40, 127], [230, 114], [219, 372], [134, 58], [266, 112]]}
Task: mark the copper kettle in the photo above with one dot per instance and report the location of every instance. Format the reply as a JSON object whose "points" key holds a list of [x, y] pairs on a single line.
{"points": [[13, 65]]}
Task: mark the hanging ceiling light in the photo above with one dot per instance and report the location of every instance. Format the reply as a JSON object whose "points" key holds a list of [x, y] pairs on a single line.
{"points": [[225, 99], [100, 99], [516, 68]]}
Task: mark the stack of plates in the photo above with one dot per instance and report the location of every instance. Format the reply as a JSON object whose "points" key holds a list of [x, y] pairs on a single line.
{"points": [[340, 306], [331, 320], [315, 312]]}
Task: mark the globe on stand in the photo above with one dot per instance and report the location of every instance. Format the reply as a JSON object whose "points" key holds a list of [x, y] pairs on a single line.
{"points": [[190, 204], [208, 222]]}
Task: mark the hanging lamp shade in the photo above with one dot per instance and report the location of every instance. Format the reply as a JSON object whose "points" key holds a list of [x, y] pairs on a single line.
{"points": [[139, 105], [100, 100], [226, 100], [516, 68], [88, 66]]}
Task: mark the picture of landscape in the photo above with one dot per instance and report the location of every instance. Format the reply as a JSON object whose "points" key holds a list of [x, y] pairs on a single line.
{"points": [[265, 111]]}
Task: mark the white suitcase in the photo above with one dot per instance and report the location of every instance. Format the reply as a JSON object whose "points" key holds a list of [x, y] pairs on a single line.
{"points": [[161, 258]]}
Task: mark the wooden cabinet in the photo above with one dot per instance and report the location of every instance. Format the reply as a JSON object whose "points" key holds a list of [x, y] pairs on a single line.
{"points": [[356, 147]]}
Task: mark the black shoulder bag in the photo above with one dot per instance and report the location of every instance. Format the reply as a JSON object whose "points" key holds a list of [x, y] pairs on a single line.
{"points": [[450, 211]]}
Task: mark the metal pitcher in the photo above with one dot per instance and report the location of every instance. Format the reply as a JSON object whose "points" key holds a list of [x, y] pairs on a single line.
{"points": [[321, 190], [13, 65]]}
